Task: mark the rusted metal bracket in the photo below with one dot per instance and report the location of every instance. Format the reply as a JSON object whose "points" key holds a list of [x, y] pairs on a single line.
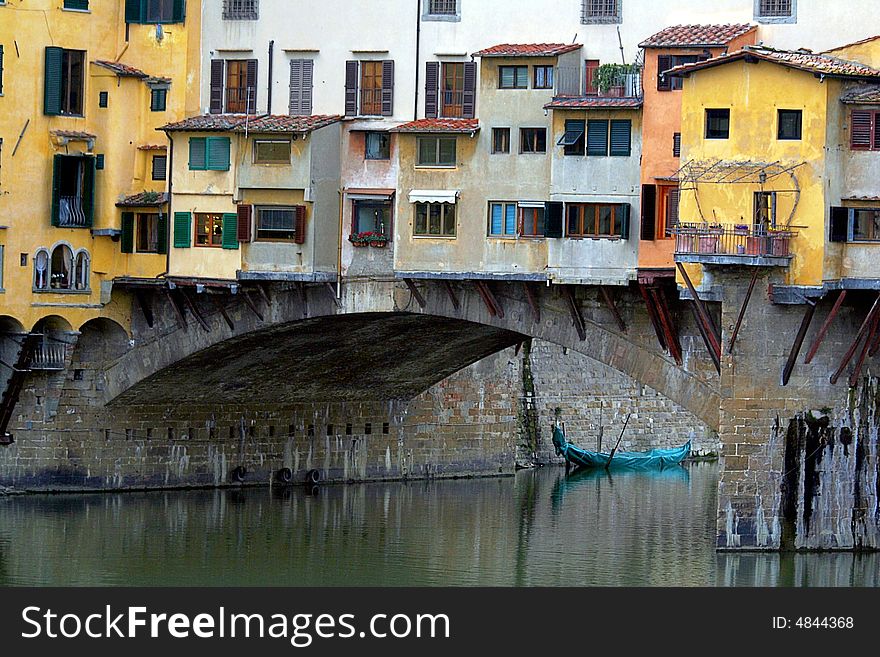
{"points": [[143, 300], [222, 310], [798, 342], [716, 360], [609, 301], [489, 299], [670, 334], [824, 328], [178, 311], [707, 327], [868, 321], [742, 312], [195, 310], [246, 297], [532, 298], [652, 315], [451, 293], [869, 341], [575, 311], [415, 292], [264, 293]]}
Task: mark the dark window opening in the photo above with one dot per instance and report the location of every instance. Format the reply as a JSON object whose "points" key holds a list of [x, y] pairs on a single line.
{"points": [[276, 224], [596, 220], [73, 191], [435, 220], [513, 77], [158, 99], [147, 233], [573, 140], [377, 146], [533, 140], [531, 221], [500, 140], [789, 124], [372, 217], [543, 78], [717, 123], [160, 167]]}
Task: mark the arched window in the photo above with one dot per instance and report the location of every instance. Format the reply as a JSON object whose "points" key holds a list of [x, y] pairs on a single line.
{"points": [[61, 268], [41, 270], [81, 271]]}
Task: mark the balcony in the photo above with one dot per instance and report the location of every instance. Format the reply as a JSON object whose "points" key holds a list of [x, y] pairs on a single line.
{"points": [[606, 81], [49, 356], [732, 244]]}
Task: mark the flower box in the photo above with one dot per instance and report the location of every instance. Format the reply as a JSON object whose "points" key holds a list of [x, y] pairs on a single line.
{"points": [[755, 245]]}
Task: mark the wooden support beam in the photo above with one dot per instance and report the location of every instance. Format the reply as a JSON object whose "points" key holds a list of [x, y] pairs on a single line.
{"points": [[798, 342], [575, 312], [485, 298], [652, 315], [716, 360], [301, 292], [222, 310], [742, 312], [336, 301], [194, 309], [261, 288], [178, 311], [144, 301], [712, 334], [414, 291], [609, 301], [489, 299], [869, 318], [869, 340], [824, 328], [246, 297], [532, 298], [670, 332], [451, 292]]}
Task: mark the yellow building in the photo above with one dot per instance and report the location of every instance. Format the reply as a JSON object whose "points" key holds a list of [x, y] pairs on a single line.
{"points": [[763, 137]]}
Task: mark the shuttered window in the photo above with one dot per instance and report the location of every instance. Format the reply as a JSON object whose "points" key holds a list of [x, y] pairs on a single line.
{"points": [[649, 212], [145, 232], [81, 5], [126, 243], [369, 88], [621, 137], [63, 81], [158, 98], [597, 137], [240, 90], [864, 134], [666, 62], [301, 82], [150, 12], [676, 144], [278, 224], [182, 230], [73, 191], [159, 168], [597, 220], [209, 153], [502, 219], [450, 89]]}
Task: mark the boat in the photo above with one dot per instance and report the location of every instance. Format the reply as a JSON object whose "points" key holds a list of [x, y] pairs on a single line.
{"points": [[582, 458]]}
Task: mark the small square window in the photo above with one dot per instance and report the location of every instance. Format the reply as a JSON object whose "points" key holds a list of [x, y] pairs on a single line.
{"points": [[377, 146], [513, 77], [103, 99], [533, 140], [99, 161], [436, 151], [543, 77], [717, 123], [159, 167], [157, 99], [789, 124], [500, 140], [274, 151]]}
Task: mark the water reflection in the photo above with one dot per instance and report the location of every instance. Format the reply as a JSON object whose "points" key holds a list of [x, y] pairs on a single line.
{"points": [[539, 528]]}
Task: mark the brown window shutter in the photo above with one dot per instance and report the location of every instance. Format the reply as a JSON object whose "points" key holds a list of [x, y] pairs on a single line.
{"points": [[676, 144], [664, 63], [299, 235], [308, 76], [432, 87], [294, 107], [861, 130], [216, 101], [469, 99], [388, 87], [351, 88], [876, 131], [252, 86], [244, 222], [649, 212]]}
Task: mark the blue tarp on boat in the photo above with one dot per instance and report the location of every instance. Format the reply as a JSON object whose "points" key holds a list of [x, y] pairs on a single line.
{"points": [[655, 458]]}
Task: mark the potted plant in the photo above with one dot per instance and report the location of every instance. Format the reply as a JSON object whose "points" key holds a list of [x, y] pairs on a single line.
{"points": [[359, 239], [610, 79], [378, 240], [741, 229]]}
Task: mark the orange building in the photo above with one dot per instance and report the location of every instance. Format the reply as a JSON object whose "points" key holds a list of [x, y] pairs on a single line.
{"points": [[661, 136]]}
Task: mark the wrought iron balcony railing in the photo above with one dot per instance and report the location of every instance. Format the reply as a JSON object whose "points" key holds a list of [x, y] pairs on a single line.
{"points": [[700, 239], [71, 213], [49, 356]]}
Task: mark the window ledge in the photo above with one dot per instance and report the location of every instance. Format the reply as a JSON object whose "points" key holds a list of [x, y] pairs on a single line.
{"points": [[434, 237], [83, 292], [437, 166], [76, 11], [442, 18]]}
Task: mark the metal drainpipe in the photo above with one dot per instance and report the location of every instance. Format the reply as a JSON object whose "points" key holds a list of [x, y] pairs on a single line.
{"points": [[418, 49], [269, 91], [339, 247]]}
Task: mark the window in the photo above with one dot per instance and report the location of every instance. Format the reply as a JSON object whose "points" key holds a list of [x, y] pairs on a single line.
{"points": [[543, 78], [147, 233], [150, 12], [597, 137], [591, 88], [64, 82], [668, 210], [99, 161], [717, 123], [435, 220], [275, 224], [241, 10], [573, 138], [239, 91], [157, 99], [302, 74], [160, 166], [676, 144], [513, 77], [81, 5], [103, 99], [866, 224], [436, 151], [788, 124], [500, 140], [369, 88], [597, 220], [209, 153], [450, 89], [272, 151], [612, 137], [377, 146], [61, 270], [209, 229], [372, 217], [73, 191], [502, 219], [775, 11], [621, 138], [666, 62], [600, 11], [531, 220], [533, 140], [864, 135], [765, 211], [442, 7]]}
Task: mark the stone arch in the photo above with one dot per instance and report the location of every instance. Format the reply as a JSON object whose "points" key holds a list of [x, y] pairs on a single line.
{"points": [[101, 340], [12, 334]]}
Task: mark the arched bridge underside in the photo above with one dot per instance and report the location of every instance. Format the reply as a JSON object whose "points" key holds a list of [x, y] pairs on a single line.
{"points": [[382, 340]]}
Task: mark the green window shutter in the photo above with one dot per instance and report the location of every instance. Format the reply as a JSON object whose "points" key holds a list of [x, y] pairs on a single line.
{"points": [[182, 230], [135, 11], [127, 243], [621, 137], [218, 154], [623, 222], [56, 189], [89, 190], [179, 14], [157, 99], [52, 81], [229, 238], [162, 242], [597, 137], [197, 153], [76, 4]]}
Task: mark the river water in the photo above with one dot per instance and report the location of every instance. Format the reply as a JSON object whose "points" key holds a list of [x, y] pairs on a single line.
{"points": [[538, 528]]}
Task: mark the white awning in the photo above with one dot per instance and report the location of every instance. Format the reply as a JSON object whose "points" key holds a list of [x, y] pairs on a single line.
{"points": [[433, 195], [531, 204]]}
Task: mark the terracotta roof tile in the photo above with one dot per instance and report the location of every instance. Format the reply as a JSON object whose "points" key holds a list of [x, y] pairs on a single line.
{"points": [[803, 60], [73, 134], [122, 70], [528, 50], [439, 125], [594, 102], [869, 95], [143, 200], [681, 36], [261, 123], [854, 43]]}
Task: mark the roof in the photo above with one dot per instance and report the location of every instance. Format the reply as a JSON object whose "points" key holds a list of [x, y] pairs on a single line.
{"points": [[854, 43], [260, 123], [872, 199], [122, 70], [869, 95], [528, 50], [439, 125], [803, 60], [73, 134], [684, 36], [594, 102], [143, 200], [152, 147]]}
